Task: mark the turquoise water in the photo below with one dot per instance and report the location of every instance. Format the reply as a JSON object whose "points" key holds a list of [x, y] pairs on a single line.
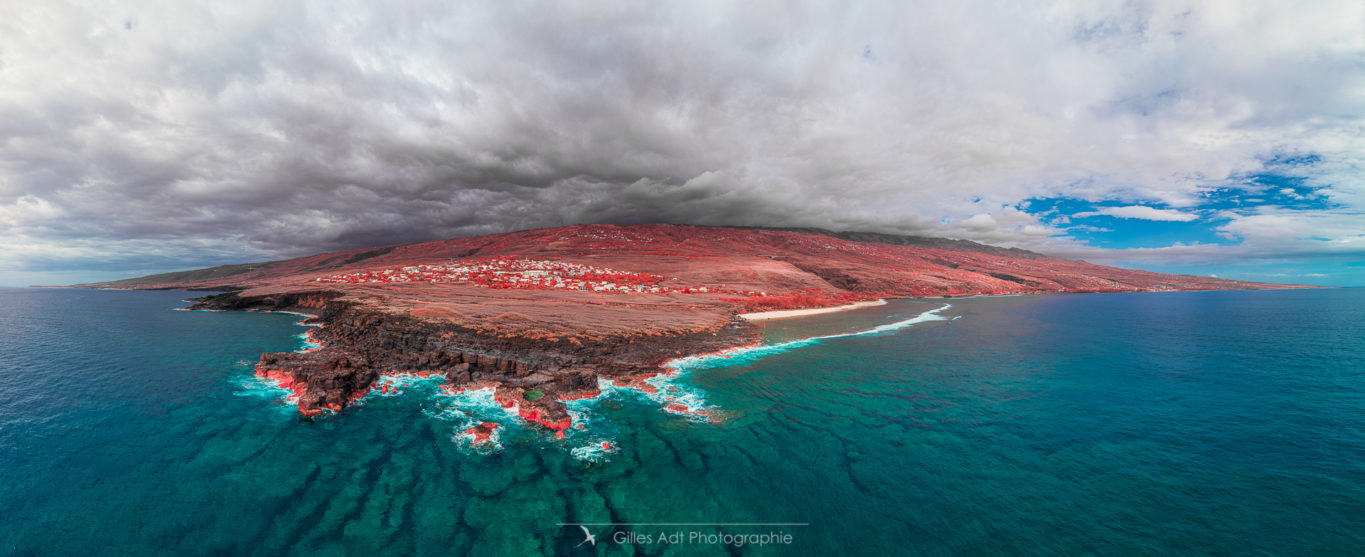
{"points": [[1190, 423]]}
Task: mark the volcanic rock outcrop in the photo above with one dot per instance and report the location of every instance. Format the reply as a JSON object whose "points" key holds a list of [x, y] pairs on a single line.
{"points": [[533, 373]]}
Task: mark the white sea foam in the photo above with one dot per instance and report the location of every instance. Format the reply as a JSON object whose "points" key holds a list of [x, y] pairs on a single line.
{"points": [[468, 408], [472, 401], [309, 345], [258, 387], [300, 314], [590, 432], [252, 386], [593, 452], [469, 445], [679, 398], [592, 438], [750, 353], [396, 382]]}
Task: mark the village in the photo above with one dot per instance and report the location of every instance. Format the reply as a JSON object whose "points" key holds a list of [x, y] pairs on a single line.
{"points": [[512, 272], [529, 274]]}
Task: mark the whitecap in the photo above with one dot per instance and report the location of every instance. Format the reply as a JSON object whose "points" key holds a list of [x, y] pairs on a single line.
{"points": [[251, 386], [593, 452], [751, 353]]}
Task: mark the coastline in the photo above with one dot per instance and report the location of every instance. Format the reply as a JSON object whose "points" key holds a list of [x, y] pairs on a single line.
{"points": [[356, 340], [787, 313], [351, 350]]}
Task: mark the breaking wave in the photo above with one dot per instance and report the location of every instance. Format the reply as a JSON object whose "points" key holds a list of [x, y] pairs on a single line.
{"points": [[751, 353], [592, 438]]}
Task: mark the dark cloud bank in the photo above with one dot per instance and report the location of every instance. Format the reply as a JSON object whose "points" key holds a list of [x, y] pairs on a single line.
{"points": [[156, 135]]}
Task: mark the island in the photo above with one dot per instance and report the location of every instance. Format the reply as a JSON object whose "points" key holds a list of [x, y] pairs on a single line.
{"points": [[541, 316]]}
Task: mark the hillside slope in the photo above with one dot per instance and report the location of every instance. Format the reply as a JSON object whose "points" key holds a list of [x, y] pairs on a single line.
{"points": [[551, 311], [767, 260]]}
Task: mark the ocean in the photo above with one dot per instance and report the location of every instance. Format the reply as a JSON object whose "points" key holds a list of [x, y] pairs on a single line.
{"points": [[1225, 423]]}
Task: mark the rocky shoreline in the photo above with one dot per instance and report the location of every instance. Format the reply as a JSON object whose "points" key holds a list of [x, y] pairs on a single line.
{"points": [[534, 374], [541, 316]]}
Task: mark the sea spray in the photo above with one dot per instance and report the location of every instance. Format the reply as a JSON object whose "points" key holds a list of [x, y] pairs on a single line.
{"points": [[592, 438], [395, 383], [467, 408], [284, 401], [754, 352], [679, 398]]}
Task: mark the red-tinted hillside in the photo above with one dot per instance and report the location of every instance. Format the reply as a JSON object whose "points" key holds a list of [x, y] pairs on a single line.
{"points": [[543, 315], [741, 268]]}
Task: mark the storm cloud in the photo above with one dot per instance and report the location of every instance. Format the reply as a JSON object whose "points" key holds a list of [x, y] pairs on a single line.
{"points": [[158, 135]]}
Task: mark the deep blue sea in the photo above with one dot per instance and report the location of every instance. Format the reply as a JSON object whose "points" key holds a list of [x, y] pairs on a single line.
{"points": [[1115, 424]]}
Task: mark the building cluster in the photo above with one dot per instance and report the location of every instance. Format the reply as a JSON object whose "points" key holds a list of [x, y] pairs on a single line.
{"points": [[516, 273]]}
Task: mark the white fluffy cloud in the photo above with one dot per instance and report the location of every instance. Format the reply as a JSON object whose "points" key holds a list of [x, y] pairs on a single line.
{"points": [[181, 133], [1140, 212]]}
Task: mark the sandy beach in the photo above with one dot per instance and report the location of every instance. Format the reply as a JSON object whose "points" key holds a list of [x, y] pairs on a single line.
{"points": [[765, 315]]}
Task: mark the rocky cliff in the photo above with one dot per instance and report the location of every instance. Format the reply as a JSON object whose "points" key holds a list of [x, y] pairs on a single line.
{"points": [[359, 344]]}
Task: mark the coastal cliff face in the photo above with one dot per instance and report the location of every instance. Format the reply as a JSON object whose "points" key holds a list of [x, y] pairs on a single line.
{"points": [[360, 344], [542, 315]]}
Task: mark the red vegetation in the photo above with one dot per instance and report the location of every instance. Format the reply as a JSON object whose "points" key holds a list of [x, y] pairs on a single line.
{"points": [[530, 411], [511, 273], [299, 388], [282, 380], [526, 309], [483, 432], [683, 409], [743, 269]]}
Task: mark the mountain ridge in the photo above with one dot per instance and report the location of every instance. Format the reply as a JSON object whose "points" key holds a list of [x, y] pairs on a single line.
{"points": [[220, 271]]}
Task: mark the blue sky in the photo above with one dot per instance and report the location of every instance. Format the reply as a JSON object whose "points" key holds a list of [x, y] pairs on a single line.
{"points": [[1145, 234], [1206, 137]]}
